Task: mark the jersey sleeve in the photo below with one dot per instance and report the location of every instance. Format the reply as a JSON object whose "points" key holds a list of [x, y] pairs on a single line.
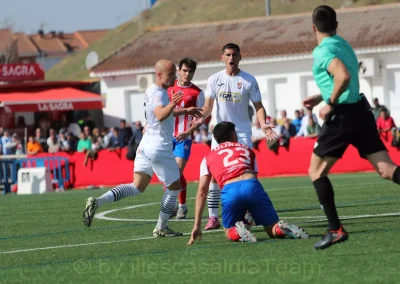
{"points": [[323, 56], [210, 90], [158, 99], [255, 94], [200, 100], [203, 168]]}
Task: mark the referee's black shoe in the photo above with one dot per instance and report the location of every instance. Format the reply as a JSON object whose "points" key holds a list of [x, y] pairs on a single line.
{"points": [[331, 238]]}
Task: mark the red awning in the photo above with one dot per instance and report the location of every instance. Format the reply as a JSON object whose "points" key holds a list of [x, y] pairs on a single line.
{"points": [[64, 99]]}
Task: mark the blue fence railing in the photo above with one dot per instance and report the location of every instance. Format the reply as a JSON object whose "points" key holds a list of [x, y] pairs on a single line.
{"points": [[58, 167]]}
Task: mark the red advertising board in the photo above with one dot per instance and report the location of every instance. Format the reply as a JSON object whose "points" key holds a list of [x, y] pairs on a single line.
{"points": [[21, 72]]}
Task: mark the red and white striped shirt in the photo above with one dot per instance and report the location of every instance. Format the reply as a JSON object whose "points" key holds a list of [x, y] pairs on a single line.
{"points": [[193, 96]]}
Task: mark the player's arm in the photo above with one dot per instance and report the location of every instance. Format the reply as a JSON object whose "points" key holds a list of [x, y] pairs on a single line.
{"points": [[163, 112], [201, 198], [341, 78]]}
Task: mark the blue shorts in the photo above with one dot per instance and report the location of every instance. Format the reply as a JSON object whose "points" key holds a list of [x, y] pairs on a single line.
{"points": [[240, 196], [182, 149]]}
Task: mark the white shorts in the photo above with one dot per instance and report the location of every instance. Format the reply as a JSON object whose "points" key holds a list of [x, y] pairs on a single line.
{"points": [[243, 138], [163, 164]]}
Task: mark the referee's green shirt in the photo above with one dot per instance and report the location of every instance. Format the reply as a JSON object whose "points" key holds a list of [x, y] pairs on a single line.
{"points": [[330, 48]]}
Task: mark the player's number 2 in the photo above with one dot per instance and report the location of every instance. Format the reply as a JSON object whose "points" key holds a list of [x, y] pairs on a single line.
{"points": [[244, 156]]}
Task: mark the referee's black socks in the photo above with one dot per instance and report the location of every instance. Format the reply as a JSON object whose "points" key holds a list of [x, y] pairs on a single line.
{"points": [[326, 197], [396, 175]]}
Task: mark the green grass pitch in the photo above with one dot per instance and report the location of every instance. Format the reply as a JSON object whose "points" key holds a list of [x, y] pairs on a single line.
{"points": [[43, 240]]}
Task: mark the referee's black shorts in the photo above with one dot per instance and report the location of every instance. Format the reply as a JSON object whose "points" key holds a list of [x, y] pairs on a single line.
{"points": [[349, 124]]}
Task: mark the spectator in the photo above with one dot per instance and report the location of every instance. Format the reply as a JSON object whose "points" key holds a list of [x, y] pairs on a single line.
{"points": [[116, 141], [301, 113], [52, 142], [34, 147], [1, 131], [125, 132], [288, 130], [74, 128], [39, 137], [105, 137], [5, 140], [97, 140], [21, 121], [297, 120], [377, 109], [313, 128], [14, 147], [138, 125], [305, 123], [72, 142], [205, 136], [257, 134], [87, 121], [88, 132], [197, 136], [85, 146], [84, 143], [64, 144], [283, 117], [385, 124]]}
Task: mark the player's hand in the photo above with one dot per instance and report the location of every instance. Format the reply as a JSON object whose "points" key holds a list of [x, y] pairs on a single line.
{"points": [[182, 136], [312, 101], [197, 121], [177, 97], [325, 112], [195, 112], [270, 134], [196, 233]]}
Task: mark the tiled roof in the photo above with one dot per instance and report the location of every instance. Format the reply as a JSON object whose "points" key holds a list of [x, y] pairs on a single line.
{"points": [[49, 44], [365, 27], [88, 37], [25, 45]]}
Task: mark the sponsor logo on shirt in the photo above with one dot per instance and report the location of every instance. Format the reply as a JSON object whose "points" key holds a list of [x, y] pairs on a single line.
{"points": [[239, 85], [230, 97]]}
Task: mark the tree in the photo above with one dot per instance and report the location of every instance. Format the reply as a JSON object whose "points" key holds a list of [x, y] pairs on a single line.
{"points": [[8, 44]]}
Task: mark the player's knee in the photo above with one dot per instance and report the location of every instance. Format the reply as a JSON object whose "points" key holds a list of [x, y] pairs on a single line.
{"points": [[314, 173], [176, 185]]}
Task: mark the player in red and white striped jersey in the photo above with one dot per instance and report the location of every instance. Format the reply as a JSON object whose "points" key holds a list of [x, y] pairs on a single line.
{"points": [[185, 110]]}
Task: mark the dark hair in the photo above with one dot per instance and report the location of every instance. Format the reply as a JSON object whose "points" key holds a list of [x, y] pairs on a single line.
{"points": [[189, 62], [123, 121], [231, 46], [324, 19], [223, 131]]}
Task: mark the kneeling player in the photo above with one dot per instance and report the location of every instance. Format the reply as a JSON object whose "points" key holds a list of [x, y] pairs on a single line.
{"points": [[233, 166]]}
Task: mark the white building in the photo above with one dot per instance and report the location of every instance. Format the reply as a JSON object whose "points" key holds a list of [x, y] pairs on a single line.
{"points": [[276, 50]]}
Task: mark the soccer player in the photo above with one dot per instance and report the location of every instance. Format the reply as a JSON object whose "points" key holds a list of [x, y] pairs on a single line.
{"points": [[347, 115], [232, 89], [154, 153], [185, 110], [233, 166]]}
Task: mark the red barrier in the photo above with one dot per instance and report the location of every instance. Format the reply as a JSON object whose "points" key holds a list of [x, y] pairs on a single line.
{"points": [[113, 168]]}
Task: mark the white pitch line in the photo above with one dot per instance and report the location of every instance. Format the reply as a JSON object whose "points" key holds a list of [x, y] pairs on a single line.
{"points": [[96, 243]]}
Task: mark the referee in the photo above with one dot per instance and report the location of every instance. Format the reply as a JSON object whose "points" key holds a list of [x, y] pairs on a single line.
{"points": [[347, 115]]}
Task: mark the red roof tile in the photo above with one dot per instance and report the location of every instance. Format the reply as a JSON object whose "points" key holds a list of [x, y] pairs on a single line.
{"points": [[49, 44], [25, 45], [364, 27], [88, 37]]}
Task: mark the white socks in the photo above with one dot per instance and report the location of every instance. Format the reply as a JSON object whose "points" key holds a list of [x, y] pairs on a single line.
{"points": [[214, 195], [117, 193]]}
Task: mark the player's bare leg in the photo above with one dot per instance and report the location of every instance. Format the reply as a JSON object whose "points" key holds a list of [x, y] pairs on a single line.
{"points": [[213, 198], [182, 208], [168, 203], [384, 166], [138, 186], [318, 172]]}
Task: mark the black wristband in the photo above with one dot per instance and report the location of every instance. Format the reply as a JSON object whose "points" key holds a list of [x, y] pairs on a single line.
{"points": [[330, 102]]}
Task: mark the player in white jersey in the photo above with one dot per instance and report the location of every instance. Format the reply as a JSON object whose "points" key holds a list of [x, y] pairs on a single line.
{"points": [[154, 153], [232, 90]]}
